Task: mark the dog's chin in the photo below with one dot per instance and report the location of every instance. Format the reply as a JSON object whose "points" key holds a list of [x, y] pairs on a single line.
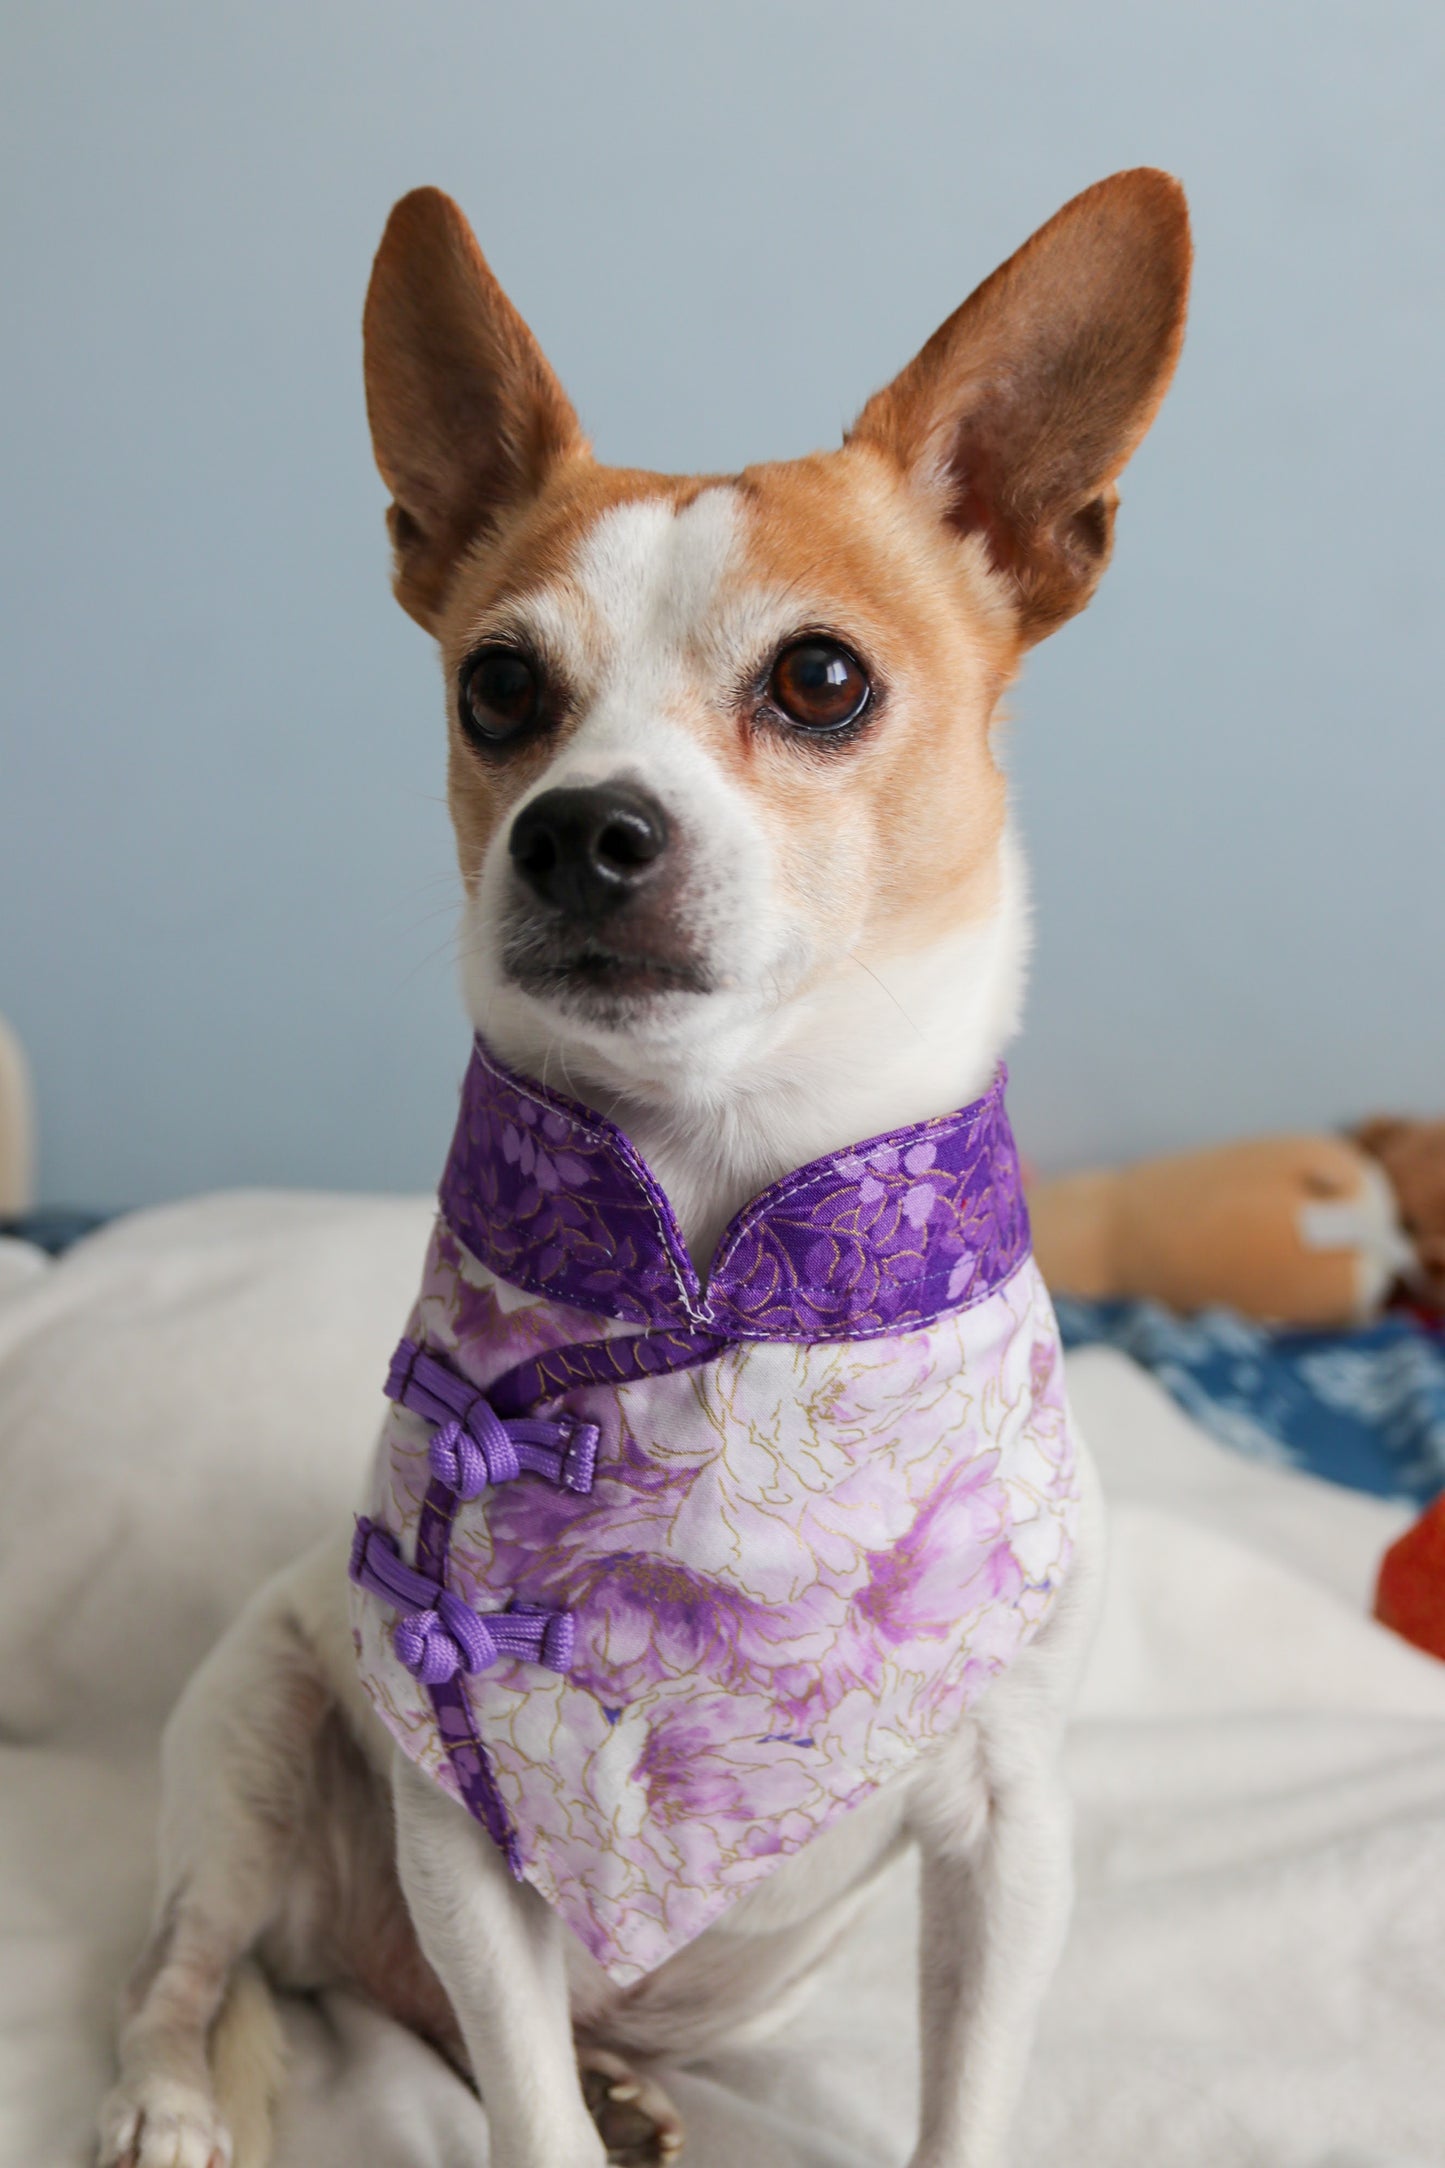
{"points": [[609, 986]]}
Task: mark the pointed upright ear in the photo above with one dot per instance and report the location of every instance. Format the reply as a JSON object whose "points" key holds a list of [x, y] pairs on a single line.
{"points": [[1021, 409], [466, 416]]}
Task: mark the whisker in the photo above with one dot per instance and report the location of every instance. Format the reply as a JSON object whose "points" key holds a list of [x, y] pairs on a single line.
{"points": [[425, 918], [898, 1005], [432, 957]]}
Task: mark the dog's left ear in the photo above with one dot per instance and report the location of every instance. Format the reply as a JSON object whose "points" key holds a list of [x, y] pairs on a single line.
{"points": [[1020, 411], [466, 416]]}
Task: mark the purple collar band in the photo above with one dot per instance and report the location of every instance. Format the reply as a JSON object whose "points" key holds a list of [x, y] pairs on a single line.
{"points": [[881, 1238]]}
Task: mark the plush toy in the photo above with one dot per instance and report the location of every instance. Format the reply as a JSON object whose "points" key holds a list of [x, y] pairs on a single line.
{"points": [[1295, 1230], [1413, 1157], [1410, 1597]]}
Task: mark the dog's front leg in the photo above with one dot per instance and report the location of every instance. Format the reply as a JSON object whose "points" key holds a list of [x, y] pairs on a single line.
{"points": [[496, 1948], [996, 1901], [994, 1824]]}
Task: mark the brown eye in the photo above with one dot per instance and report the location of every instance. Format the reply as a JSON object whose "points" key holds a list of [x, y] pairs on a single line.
{"points": [[818, 685], [501, 693]]}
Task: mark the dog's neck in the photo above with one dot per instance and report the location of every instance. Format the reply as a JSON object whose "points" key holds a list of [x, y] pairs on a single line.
{"points": [[850, 1059]]}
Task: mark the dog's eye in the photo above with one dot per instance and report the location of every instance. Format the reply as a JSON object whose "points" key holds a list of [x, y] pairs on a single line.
{"points": [[818, 684], [500, 695]]}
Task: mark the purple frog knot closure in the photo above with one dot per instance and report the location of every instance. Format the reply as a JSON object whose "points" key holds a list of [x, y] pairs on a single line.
{"points": [[468, 1459], [438, 1635], [474, 1446]]}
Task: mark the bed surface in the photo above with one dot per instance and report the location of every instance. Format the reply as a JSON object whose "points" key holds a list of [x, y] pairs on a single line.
{"points": [[1256, 1973]]}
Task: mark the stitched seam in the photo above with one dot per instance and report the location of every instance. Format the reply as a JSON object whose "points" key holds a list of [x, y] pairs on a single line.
{"points": [[801, 1184], [690, 1359], [510, 1278], [630, 1159], [895, 1326], [823, 1181]]}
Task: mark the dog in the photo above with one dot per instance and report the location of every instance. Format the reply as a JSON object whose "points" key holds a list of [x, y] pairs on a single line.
{"points": [[740, 889]]}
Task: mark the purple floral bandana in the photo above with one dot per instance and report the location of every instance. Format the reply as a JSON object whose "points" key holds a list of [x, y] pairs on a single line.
{"points": [[659, 1579]]}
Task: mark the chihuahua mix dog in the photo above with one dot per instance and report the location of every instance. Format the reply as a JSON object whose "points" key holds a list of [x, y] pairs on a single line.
{"points": [[738, 874]]}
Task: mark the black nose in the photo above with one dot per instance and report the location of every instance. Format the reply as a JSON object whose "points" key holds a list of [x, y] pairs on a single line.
{"points": [[586, 851]]}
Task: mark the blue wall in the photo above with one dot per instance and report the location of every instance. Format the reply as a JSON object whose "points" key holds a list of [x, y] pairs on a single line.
{"points": [[225, 879]]}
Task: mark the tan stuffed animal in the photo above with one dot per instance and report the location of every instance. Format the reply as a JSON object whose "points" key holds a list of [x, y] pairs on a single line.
{"points": [[1413, 1157], [1295, 1230]]}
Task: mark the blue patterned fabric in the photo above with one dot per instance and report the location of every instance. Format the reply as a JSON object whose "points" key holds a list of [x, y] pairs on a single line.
{"points": [[1365, 1408]]}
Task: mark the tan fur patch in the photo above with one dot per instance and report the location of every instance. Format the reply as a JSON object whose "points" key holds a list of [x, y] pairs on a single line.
{"points": [[920, 795]]}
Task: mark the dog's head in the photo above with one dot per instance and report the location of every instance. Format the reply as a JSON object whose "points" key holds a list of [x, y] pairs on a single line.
{"points": [[721, 745]]}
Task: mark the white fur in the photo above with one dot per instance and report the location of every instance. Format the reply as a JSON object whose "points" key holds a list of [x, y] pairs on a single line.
{"points": [[784, 1062]]}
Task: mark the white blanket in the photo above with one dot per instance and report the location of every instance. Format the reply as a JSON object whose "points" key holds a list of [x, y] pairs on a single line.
{"points": [[1256, 1973]]}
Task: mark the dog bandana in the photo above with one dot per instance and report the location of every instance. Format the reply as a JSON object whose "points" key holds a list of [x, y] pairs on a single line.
{"points": [[659, 1578]]}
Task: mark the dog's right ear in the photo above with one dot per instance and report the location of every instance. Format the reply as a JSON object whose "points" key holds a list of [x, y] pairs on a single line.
{"points": [[466, 416]]}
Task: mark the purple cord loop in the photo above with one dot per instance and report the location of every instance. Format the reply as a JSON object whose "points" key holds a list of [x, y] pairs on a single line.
{"points": [[473, 1445], [438, 1635]]}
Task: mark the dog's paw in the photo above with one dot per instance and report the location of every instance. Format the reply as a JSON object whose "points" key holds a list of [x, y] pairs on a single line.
{"points": [[639, 2125], [161, 2124]]}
